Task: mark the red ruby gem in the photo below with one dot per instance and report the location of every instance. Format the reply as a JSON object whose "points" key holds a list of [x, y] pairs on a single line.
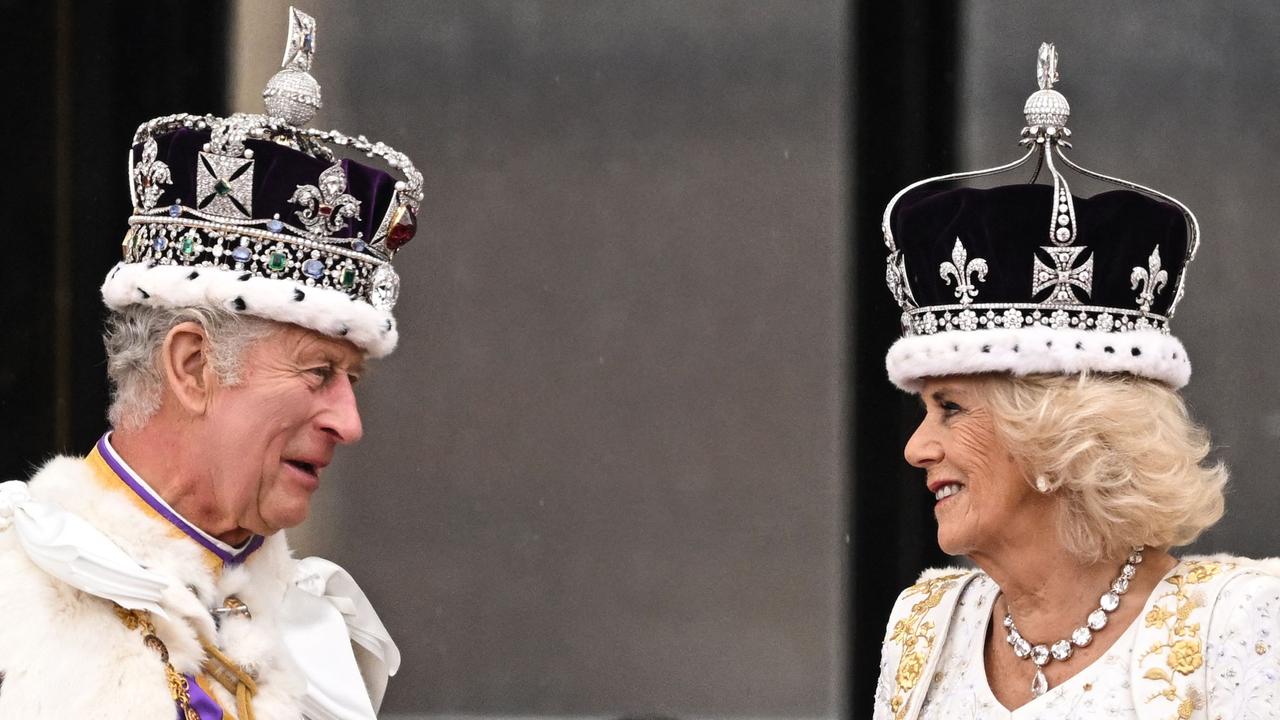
{"points": [[326, 210], [402, 230]]}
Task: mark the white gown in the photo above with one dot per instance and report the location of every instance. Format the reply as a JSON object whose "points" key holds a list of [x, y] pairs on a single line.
{"points": [[1241, 660]]}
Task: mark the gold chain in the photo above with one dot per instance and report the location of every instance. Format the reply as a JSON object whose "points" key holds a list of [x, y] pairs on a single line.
{"points": [[179, 690]]}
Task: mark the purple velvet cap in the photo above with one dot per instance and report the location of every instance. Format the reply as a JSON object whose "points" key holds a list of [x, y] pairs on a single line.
{"points": [[277, 173]]}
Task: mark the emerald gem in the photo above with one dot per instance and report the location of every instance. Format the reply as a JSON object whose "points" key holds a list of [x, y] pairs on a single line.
{"points": [[222, 187], [348, 277], [189, 244], [277, 262]]}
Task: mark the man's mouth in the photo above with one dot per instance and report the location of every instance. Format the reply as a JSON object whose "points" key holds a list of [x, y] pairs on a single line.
{"points": [[306, 467]]}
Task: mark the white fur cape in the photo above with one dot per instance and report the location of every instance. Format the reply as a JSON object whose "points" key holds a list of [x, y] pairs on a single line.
{"points": [[65, 653]]}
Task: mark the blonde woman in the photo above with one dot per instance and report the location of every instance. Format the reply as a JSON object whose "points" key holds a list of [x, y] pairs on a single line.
{"points": [[1063, 463]]}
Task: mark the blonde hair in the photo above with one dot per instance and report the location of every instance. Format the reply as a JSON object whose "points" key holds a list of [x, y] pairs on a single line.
{"points": [[1122, 451]]}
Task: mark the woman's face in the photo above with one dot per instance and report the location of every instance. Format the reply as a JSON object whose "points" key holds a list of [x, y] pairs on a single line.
{"points": [[984, 503]]}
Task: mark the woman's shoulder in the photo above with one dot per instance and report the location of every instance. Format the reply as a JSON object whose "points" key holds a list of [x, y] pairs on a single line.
{"points": [[943, 580], [1241, 654], [937, 588], [1232, 572], [916, 630]]}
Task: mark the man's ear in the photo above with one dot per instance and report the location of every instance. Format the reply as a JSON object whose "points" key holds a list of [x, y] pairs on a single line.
{"points": [[187, 372]]}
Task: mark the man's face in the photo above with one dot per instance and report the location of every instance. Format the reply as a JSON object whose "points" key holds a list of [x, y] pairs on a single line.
{"points": [[270, 436]]}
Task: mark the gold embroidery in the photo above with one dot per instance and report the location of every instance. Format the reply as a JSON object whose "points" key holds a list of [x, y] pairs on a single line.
{"points": [[1183, 653], [915, 637], [179, 690]]}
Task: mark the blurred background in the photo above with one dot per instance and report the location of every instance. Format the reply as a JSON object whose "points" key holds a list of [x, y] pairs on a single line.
{"points": [[636, 454]]}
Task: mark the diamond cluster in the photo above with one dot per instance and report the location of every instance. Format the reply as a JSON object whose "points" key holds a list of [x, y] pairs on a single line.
{"points": [[942, 318]]}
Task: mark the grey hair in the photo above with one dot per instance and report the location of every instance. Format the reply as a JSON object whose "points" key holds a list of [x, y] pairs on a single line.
{"points": [[134, 337]]}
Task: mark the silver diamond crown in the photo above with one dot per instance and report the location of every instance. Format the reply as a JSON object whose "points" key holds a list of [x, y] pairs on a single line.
{"points": [[219, 229], [1068, 272]]}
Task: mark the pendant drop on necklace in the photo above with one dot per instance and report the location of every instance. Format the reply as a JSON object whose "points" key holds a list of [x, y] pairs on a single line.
{"points": [[1040, 684]]}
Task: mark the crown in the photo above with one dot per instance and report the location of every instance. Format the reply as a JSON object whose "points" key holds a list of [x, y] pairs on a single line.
{"points": [[1030, 278], [257, 213]]}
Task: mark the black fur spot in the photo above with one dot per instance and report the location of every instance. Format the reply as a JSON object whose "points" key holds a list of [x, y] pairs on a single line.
{"points": [[388, 327], [115, 272], [1048, 343], [1015, 348], [343, 332], [298, 295], [145, 295], [1175, 356], [986, 348], [1079, 346], [194, 274], [1136, 351], [244, 277], [151, 264], [1109, 350], [238, 304]]}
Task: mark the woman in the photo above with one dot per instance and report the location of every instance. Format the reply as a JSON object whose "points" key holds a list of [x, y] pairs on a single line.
{"points": [[1063, 464]]}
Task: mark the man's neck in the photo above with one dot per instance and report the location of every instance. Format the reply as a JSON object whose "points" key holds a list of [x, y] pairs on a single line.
{"points": [[161, 459]]}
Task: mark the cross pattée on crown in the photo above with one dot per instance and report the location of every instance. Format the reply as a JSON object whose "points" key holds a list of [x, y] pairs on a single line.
{"points": [[1063, 275]]}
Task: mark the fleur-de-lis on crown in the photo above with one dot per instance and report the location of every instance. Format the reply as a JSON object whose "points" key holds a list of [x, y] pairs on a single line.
{"points": [[1151, 278], [326, 208], [960, 267], [150, 175]]}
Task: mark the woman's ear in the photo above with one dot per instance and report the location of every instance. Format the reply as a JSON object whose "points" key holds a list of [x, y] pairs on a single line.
{"points": [[185, 363]]}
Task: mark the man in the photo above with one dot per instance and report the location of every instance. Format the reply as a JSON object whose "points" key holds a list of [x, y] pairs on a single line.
{"points": [[153, 574]]}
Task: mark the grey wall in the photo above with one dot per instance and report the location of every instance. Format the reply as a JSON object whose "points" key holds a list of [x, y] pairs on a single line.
{"points": [[1180, 96], [603, 474]]}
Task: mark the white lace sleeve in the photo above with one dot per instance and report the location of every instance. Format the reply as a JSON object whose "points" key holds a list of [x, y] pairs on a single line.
{"points": [[1243, 654]]}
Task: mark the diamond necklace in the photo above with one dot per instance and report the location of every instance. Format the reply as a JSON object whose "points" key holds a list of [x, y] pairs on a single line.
{"points": [[1061, 650]]}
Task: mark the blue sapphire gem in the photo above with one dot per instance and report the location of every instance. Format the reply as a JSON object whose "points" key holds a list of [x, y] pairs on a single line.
{"points": [[175, 210], [159, 243], [313, 268], [242, 254], [274, 225], [358, 246]]}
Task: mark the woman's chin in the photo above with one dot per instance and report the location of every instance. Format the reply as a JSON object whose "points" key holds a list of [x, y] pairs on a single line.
{"points": [[953, 541]]}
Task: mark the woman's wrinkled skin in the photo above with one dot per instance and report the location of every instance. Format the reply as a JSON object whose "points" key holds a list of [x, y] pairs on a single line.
{"points": [[1008, 529]]}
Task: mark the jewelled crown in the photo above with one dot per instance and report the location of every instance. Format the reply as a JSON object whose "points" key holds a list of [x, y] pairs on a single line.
{"points": [[256, 213], [1029, 278]]}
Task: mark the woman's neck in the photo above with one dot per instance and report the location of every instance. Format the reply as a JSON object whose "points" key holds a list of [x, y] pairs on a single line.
{"points": [[1050, 593]]}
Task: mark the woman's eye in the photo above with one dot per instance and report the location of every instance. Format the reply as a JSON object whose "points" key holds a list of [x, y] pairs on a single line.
{"points": [[949, 408], [324, 373]]}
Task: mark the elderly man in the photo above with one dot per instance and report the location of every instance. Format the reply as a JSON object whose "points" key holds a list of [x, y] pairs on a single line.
{"points": [[153, 573]]}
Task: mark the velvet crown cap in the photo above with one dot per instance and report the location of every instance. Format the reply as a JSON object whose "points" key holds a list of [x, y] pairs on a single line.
{"points": [[1029, 278], [257, 215]]}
